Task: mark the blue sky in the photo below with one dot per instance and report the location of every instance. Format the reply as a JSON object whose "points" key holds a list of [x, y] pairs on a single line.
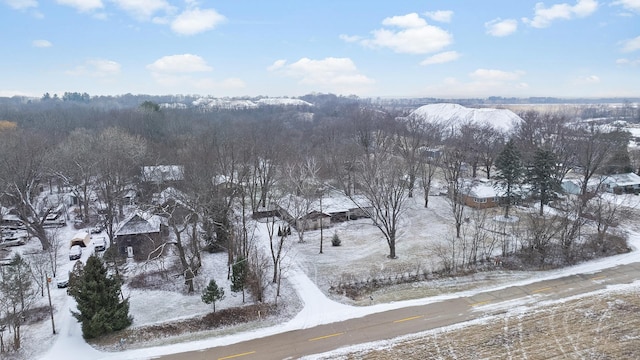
{"points": [[451, 49]]}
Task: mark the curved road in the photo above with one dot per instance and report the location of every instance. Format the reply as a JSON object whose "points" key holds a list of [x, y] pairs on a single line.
{"points": [[409, 320]]}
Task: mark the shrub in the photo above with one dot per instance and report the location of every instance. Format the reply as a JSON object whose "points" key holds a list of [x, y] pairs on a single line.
{"points": [[335, 240]]}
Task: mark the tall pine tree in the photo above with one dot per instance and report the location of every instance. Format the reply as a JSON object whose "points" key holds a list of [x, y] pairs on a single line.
{"points": [[97, 294], [510, 174], [541, 176], [239, 276]]}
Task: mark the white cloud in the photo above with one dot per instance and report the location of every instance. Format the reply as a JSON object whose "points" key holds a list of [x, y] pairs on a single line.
{"points": [[631, 45], [624, 61], [278, 64], [99, 68], [335, 74], [499, 27], [631, 5], [543, 16], [186, 72], [414, 35], [405, 21], [22, 4], [185, 63], [82, 5], [590, 79], [441, 58], [194, 21], [349, 38], [440, 15], [41, 43], [496, 75], [143, 9]]}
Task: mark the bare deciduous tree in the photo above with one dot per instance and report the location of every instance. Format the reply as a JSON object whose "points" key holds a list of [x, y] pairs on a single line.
{"points": [[381, 183], [120, 155], [23, 167]]}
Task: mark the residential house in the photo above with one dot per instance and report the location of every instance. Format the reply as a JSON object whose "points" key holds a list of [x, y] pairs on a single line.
{"points": [[574, 186], [315, 213], [140, 235], [622, 183], [314, 220], [481, 194]]}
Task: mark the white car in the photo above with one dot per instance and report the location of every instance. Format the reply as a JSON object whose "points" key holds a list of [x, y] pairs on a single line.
{"points": [[75, 252], [62, 282], [100, 243]]}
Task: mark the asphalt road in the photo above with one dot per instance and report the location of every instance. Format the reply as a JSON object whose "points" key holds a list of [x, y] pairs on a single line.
{"points": [[394, 323]]}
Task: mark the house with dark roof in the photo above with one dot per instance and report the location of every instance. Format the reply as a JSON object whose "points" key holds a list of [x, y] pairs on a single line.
{"points": [[140, 235]]}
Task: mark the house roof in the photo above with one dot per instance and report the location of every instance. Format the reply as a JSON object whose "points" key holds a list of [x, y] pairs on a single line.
{"points": [[140, 223], [336, 202], [627, 179], [481, 189]]}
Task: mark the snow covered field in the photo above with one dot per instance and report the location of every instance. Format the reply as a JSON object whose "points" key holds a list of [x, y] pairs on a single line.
{"points": [[308, 276]]}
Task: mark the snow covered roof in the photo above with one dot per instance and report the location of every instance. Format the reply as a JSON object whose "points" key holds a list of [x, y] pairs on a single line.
{"points": [[627, 179], [456, 115], [167, 194], [81, 235], [140, 223], [332, 202], [336, 202], [482, 189]]}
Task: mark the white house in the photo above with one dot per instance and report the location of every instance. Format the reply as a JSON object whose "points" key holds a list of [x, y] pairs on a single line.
{"points": [[622, 183]]}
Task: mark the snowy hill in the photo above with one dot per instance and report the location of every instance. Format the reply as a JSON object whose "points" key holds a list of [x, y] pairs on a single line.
{"points": [[456, 115], [240, 104]]}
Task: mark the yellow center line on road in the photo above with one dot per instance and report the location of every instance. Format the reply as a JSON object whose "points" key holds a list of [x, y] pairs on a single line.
{"points": [[541, 290], [237, 355], [409, 318], [326, 336], [598, 277], [480, 303]]}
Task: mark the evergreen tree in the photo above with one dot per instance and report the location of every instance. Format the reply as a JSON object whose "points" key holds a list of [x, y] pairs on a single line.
{"points": [[510, 173], [76, 274], [239, 276], [97, 294], [541, 176], [212, 294]]}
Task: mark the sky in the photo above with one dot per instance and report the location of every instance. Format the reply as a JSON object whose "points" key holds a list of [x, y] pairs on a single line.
{"points": [[230, 48]]}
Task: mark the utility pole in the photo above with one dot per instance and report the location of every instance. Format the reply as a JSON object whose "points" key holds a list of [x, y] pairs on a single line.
{"points": [[321, 223], [53, 325]]}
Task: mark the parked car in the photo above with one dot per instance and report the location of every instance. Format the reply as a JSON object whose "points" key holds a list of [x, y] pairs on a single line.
{"points": [[97, 229], [62, 281], [54, 220], [100, 243], [78, 224], [75, 252]]}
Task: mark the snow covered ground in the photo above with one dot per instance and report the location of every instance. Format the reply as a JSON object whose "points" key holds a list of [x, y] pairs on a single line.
{"points": [[308, 274]]}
